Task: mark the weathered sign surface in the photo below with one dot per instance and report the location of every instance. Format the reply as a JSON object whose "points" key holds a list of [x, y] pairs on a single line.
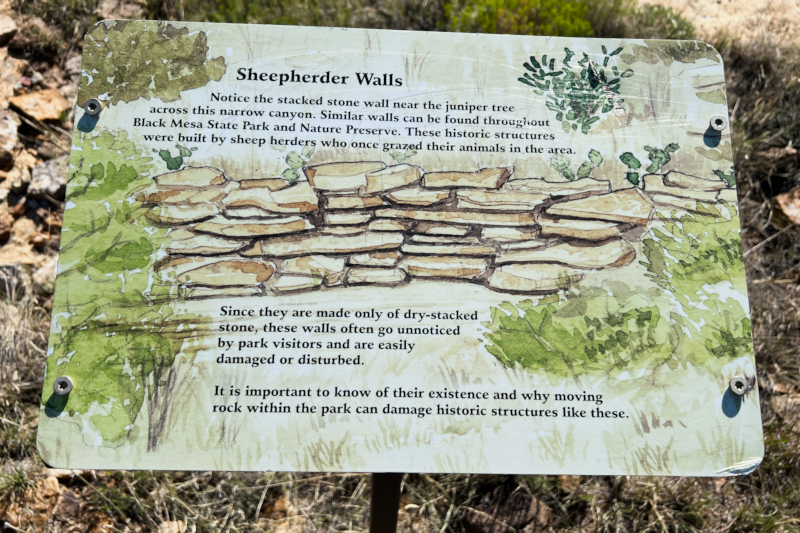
{"points": [[323, 249]]}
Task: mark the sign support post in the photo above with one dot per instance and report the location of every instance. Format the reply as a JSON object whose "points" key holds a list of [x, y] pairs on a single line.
{"points": [[384, 502]]}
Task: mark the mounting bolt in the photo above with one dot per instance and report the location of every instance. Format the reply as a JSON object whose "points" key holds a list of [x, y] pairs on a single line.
{"points": [[738, 385], [718, 122], [92, 107], [62, 386]]}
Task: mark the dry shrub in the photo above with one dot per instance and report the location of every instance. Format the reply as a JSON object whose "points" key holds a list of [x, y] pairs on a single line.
{"points": [[23, 332]]}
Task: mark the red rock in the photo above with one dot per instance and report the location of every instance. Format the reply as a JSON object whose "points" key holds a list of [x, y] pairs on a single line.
{"points": [[42, 105]]}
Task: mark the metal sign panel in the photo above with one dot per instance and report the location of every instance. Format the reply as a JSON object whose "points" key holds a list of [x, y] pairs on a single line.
{"points": [[323, 249]]}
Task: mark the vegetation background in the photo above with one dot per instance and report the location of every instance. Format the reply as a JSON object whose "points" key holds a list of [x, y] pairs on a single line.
{"points": [[763, 70]]}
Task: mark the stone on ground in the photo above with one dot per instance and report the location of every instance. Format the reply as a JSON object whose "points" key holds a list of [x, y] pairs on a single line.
{"points": [[46, 105]]}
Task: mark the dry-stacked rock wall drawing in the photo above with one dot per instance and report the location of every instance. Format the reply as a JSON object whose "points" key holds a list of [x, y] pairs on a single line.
{"points": [[363, 223]]}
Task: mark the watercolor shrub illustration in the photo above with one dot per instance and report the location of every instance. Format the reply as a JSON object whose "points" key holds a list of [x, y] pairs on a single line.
{"points": [[148, 59], [175, 162], [561, 164], [295, 162], [658, 158], [578, 93], [691, 257], [400, 157], [104, 274], [729, 178]]}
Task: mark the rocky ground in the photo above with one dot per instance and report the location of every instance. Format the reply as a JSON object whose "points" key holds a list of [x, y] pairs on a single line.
{"points": [[36, 111]]}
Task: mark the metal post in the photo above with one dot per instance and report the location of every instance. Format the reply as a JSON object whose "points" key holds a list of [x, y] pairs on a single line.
{"points": [[384, 503]]}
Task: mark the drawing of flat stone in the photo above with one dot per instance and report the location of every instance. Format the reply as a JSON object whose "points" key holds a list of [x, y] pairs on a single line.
{"points": [[628, 205], [608, 255], [383, 276], [220, 225], [673, 202], [347, 218], [293, 283], [343, 230], [299, 198], [321, 243], [341, 176], [654, 184], [179, 196], [485, 178], [191, 177], [436, 239], [522, 245], [579, 187], [541, 277], [387, 224], [228, 272], [440, 229], [169, 269], [593, 230], [182, 241], [728, 195], [444, 267], [685, 181], [503, 200], [391, 178], [461, 217], [417, 196], [447, 249], [353, 202], [378, 259], [251, 212], [171, 214], [501, 234], [272, 184], [312, 265], [194, 292]]}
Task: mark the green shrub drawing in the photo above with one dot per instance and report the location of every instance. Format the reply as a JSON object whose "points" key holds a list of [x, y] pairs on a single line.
{"points": [[561, 164], [578, 93], [400, 157], [633, 165], [174, 163], [148, 59], [103, 310], [617, 328], [658, 158], [729, 179], [295, 162]]}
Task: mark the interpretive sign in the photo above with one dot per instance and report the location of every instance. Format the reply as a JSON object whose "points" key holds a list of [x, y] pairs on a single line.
{"points": [[324, 249]]}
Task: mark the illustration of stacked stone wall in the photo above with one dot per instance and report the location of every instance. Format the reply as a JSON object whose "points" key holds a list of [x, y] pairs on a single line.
{"points": [[363, 223]]}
